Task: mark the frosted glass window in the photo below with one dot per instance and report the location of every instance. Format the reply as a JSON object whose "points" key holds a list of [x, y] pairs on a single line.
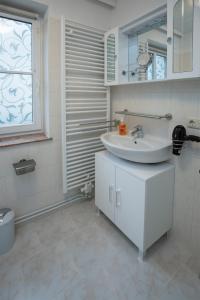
{"points": [[150, 72], [160, 67], [157, 69], [16, 95]]}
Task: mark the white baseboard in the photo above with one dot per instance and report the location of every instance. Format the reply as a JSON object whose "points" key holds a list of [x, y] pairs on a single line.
{"points": [[48, 209]]}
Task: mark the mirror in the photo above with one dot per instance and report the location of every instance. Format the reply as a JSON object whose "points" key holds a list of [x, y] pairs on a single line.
{"points": [[148, 51], [183, 36], [111, 57]]}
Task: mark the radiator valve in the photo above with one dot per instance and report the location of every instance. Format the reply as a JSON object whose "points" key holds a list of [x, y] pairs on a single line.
{"points": [[88, 189]]}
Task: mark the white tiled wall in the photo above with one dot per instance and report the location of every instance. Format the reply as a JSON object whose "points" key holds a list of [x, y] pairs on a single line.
{"points": [[127, 10], [44, 186], [87, 12], [182, 99]]}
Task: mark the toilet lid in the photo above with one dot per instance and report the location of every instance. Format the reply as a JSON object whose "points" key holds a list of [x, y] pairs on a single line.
{"points": [[6, 215]]}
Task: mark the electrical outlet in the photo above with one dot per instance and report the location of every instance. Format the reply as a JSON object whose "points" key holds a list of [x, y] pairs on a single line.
{"points": [[194, 124]]}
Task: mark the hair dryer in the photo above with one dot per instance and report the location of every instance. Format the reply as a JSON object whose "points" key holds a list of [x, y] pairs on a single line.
{"points": [[179, 136]]}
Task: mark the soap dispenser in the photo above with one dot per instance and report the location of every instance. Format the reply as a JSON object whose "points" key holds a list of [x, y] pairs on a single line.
{"points": [[122, 128]]}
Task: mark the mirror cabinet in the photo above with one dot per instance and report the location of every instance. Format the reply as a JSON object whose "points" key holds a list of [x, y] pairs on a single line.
{"points": [[111, 57], [161, 45]]}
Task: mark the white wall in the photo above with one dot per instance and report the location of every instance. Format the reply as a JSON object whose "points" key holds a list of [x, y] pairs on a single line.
{"points": [[44, 186], [85, 12], [182, 99], [127, 10]]}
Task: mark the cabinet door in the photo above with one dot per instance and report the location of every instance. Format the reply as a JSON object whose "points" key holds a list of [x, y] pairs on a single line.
{"points": [[105, 187], [130, 201], [183, 22], [111, 57]]}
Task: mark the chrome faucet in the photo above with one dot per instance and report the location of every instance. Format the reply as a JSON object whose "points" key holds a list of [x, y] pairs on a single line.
{"points": [[137, 132]]}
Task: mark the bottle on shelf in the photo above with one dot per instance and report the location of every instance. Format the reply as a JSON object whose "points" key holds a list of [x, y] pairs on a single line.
{"points": [[122, 128]]}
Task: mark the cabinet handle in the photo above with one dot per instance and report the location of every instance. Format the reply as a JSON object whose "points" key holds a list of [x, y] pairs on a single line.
{"points": [[118, 198], [111, 188]]}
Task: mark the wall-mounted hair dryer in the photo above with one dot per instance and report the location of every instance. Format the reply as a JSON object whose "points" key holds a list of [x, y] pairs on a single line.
{"points": [[179, 136]]}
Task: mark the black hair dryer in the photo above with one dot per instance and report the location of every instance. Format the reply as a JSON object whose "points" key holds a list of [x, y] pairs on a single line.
{"points": [[179, 136]]}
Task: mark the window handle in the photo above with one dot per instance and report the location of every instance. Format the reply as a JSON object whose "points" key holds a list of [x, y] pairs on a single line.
{"points": [[118, 198]]}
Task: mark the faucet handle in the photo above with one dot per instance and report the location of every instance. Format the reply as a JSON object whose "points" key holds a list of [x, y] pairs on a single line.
{"points": [[138, 129]]}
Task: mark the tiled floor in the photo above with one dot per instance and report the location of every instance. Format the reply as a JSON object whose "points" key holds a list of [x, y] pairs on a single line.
{"points": [[74, 254]]}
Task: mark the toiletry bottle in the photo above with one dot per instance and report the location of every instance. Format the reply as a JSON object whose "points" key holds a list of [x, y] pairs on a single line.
{"points": [[122, 127]]}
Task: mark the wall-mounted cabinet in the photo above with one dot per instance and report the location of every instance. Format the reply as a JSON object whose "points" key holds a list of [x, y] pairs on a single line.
{"points": [[116, 58], [111, 56], [161, 45]]}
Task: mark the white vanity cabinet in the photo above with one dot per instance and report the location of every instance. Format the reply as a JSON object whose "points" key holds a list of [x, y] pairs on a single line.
{"points": [[137, 198], [105, 188], [183, 42]]}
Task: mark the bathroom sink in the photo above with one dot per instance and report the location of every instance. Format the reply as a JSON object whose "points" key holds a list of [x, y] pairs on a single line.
{"points": [[149, 149]]}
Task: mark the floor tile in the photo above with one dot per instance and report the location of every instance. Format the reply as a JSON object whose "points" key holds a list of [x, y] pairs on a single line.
{"points": [[74, 254]]}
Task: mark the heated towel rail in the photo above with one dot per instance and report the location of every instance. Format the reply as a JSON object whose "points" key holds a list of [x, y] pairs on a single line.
{"points": [[86, 102]]}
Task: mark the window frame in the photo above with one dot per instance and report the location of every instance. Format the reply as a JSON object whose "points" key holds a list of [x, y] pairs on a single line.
{"points": [[37, 124]]}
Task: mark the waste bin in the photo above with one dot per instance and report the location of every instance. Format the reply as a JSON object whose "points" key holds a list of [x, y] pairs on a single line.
{"points": [[7, 229]]}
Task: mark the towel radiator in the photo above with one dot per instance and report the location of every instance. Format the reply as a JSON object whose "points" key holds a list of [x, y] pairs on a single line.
{"points": [[85, 102]]}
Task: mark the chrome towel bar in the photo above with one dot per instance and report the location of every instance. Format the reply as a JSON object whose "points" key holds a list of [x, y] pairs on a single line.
{"points": [[144, 115]]}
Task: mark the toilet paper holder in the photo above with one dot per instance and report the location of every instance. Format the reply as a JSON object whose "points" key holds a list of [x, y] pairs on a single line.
{"points": [[24, 166]]}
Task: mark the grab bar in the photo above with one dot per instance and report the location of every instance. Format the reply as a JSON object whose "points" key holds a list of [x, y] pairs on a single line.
{"points": [[129, 113]]}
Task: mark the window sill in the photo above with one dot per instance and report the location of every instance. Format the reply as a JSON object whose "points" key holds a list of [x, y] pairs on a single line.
{"points": [[23, 139]]}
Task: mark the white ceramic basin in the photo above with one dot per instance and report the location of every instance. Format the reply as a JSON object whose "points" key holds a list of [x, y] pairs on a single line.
{"points": [[149, 149]]}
